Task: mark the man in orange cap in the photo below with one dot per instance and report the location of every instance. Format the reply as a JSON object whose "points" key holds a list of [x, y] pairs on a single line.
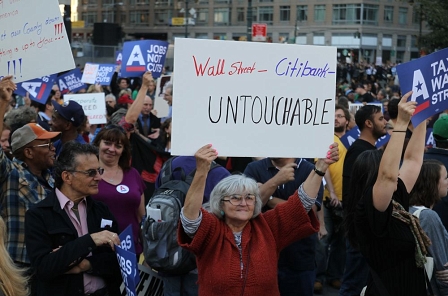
{"points": [[26, 179]]}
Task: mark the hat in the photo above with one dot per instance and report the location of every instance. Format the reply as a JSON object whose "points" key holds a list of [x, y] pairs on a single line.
{"points": [[28, 133], [71, 111], [125, 99], [440, 128], [348, 91]]}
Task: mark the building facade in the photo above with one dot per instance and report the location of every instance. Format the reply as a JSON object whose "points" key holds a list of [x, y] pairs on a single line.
{"points": [[373, 30]]}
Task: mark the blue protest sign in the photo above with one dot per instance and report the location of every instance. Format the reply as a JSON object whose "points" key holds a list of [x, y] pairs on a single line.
{"points": [[127, 244], [98, 73], [39, 89], [353, 134], [427, 77], [129, 269], [118, 57], [429, 139], [142, 56], [71, 81]]}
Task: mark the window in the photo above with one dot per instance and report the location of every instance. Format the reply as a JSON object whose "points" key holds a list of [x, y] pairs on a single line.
{"points": [[266, 14], [160, 2], [89, 18], [319, 39], [138, 2], [262, 1], [162, 17], [202, 16], [319, 13], [370, 14], [203, 2], [414, 41], [302, 13], [240, 15], [138, 17], [347, 14], [108, 2], [388, 14], [403, 15], [89, 3], [221, 1], [285, 13], [401, 41], [416, 15], [221, 16]]}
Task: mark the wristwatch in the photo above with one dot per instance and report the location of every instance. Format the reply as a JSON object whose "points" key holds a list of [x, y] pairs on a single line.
{"points": [[271, 198]]}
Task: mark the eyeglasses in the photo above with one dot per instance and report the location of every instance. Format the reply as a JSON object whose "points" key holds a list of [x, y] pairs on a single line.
{"points": [[339, 116], [90, 173], [50, 145], [237, 199], [109, 102]]}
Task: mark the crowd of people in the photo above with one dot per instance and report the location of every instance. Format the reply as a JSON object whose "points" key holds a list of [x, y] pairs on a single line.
{"points": [[270, 226]]}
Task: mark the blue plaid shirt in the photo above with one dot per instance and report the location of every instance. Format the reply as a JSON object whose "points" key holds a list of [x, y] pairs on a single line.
{"points": [[19, 190]]}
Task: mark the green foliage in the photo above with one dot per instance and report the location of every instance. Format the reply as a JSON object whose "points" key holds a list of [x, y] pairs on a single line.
{"points": [[435, 14]]}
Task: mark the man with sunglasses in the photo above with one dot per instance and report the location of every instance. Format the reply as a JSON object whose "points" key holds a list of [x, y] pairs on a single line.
{"points": [[71, 237], [26, 179]]}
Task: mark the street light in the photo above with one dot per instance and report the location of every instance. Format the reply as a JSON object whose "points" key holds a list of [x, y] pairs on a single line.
{"points": [[420, 25], [107, 6]]}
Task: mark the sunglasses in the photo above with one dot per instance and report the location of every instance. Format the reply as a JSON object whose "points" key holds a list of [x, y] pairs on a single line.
{"points": [[90, 173], [50, 145]]}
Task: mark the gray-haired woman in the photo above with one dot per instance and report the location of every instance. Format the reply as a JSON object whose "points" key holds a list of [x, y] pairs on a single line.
{"points": [[236, 246]]}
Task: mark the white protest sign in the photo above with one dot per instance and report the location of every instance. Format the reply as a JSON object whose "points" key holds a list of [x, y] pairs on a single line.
{"points": [[160, 104], [93, 104], [33, 40], [89, 73], [253, 99]]}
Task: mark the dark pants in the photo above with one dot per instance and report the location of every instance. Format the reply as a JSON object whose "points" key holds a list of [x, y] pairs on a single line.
{"points": [[296, 283], [355, 274], [182, 285]]}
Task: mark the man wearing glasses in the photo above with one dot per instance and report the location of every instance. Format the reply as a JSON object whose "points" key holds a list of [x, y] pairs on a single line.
{"points": [[26, 179], [71, 237]]}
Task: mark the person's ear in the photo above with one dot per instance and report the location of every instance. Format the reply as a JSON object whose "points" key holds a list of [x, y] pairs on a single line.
{"points": [[368, 123], [66, 177]]}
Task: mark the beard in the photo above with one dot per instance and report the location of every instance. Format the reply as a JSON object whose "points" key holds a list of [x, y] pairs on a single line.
{"points": [[339, 129], [378, 133]]}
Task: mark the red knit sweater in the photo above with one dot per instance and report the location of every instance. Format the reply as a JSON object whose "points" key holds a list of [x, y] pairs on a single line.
{"points": [[263, 238]]}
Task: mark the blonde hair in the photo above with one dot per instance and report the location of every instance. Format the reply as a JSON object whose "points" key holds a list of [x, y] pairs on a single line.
{"points": [[12, 281]]}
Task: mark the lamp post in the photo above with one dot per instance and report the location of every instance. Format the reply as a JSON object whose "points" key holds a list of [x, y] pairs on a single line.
{"points": [[420, 25], [186, 14]]}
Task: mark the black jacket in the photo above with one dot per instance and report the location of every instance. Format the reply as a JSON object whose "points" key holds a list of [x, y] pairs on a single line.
{"points": [[48, 227]]}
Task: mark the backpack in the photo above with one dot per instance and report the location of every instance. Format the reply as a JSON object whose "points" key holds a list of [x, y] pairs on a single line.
{"points": [[160, 247]]}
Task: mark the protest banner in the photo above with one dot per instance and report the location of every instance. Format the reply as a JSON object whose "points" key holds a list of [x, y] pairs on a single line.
{"points": [[160, 104], [98, 73], [253, 99], [427, 77], [353, 134], [38, 89], [354, 107], [93, 104], [127, 243], [33, 40], [71, 81], [128, 268], [118, 57], [141, 56]]}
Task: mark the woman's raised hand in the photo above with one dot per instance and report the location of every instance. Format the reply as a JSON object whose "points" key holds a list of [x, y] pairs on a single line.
{"points": [[204, 157]]}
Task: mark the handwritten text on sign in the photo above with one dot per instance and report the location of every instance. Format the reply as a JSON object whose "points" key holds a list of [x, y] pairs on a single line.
{"points": [[93, 104], [33, 40], [253, 99]]}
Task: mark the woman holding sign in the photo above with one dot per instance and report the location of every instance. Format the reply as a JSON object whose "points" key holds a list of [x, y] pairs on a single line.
{"points": [[236, 245], [377, 219]]}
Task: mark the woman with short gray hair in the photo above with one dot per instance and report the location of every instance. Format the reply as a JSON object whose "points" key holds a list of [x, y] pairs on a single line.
{"points": [[237, 246]]}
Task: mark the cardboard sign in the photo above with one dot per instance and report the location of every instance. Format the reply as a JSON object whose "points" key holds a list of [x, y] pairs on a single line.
{"points": [[353, 134], [427, 77], [253, 99], [93, 104], [71, 81], [33, 40], [38, 89], [98, 73], [160, 104], [142, 56]]}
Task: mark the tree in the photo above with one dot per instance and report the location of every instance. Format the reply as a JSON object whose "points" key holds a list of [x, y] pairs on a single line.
{"points": [[434, 13]]}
